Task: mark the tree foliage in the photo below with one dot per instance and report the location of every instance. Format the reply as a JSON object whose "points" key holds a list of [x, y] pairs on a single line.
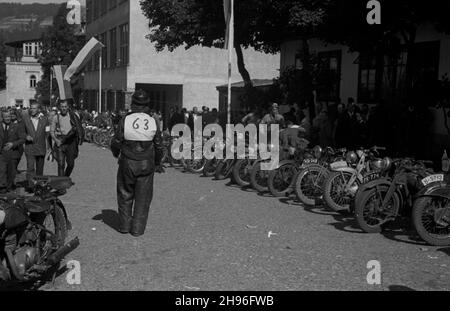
{"points": [[59, 47]]}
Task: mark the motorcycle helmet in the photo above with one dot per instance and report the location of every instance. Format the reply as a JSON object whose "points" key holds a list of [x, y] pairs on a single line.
{"points": [[351, 157], [318, 152]]}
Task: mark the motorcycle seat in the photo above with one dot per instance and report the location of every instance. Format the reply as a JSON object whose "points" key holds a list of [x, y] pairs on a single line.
{"points": [[55, 182]]}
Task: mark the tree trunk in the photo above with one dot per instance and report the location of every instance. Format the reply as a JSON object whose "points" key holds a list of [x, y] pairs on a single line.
{"points": [[410, 39], [241, 65], [307, 74]]}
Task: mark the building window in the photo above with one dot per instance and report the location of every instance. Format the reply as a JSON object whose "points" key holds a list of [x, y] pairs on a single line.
{"points": [[369, 81], [329, 75], [120, 100], [103, 7], [89, 11], [33, 81], [124, 45], [103, 39], [113, 48], [28, 47], [95, 10]]}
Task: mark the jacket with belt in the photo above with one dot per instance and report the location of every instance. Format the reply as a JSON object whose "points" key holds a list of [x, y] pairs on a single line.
{"points": [[137, 150]]}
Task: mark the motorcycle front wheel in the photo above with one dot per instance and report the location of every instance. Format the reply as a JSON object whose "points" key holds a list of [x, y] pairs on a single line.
{"points": [[335, 194], [369, 216], [241, 172], [258, 178], [224, 170], [431, 219], [309, 184]]}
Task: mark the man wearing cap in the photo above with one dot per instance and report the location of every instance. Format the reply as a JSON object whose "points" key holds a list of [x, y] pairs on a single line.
{"points": [[274, 117], [138, 146]]}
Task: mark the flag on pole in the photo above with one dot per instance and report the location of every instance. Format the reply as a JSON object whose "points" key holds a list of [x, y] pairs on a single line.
{"points": [[65, 89], [83, 57]]}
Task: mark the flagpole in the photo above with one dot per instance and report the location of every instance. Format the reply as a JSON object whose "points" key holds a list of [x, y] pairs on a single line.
{"points": [[230, 58], [100, 81], [51, 86]]}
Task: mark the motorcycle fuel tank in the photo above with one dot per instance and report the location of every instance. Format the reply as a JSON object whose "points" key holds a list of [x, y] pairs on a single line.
{"points": [[2, 217]]}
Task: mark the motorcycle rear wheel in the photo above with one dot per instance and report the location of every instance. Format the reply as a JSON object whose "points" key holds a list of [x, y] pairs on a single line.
{"points": [[368, 216], [241, 172], [281, 180], [210, 168], [424, 215]]}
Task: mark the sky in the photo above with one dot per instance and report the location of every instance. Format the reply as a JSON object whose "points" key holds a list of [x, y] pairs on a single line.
{"points": [[38, 1]]}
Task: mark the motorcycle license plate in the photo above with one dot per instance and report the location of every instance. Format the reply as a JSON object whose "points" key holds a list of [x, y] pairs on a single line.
{"points": [[309, 161], [432, 179], [371, 177], [338, 164]]}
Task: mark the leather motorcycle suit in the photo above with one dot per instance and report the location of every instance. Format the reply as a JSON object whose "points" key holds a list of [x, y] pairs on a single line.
{"points": [[137, 163]]}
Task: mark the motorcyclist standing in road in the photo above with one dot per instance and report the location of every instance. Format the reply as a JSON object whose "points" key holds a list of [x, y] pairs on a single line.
{"points": [[138, 145]]}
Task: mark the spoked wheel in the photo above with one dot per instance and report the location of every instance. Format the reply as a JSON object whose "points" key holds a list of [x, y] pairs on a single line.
{"points": [[210, 168], [196, 166], [280, 181], [258, 178], [369, 214], [241, 172], [309, 184], [224, 169], [431, 218], [338, 194], [54, 222]]}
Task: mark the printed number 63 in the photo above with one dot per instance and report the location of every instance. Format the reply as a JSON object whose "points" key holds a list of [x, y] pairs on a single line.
{"points": [[136, 125]]}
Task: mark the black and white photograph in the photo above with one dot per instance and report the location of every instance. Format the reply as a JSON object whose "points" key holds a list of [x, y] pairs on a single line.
{"points": [[203, 147]]}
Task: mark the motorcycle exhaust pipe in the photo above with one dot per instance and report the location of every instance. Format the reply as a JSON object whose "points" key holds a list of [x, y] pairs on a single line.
{"points": [[59, 255]]}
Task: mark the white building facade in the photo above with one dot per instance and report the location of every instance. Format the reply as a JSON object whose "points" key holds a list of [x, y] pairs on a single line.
{"points": [[23, 71]]}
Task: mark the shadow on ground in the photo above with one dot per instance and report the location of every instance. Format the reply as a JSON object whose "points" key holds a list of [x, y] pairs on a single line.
{"points": [[109, 218]]}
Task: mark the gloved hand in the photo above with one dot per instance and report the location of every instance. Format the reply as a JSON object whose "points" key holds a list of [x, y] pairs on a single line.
{"points": [[160, 169]]}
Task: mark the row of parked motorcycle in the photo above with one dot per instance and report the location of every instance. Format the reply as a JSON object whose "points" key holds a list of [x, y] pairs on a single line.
{"points": [[100, 136], [376, 189]]}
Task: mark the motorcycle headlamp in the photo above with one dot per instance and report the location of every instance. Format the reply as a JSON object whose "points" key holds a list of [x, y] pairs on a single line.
{"points": [[351, 157], [318, 151]]}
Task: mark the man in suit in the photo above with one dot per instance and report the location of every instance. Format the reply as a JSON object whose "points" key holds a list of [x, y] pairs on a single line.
{"points": [[12, 137], [37, 131], [67, 133]]}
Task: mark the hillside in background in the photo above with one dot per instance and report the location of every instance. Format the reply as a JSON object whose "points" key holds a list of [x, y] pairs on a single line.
{"points": [[16, 17], [18, 20]]}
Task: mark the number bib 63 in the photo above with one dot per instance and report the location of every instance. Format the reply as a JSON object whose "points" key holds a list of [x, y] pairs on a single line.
{"points": [[139, 127]]}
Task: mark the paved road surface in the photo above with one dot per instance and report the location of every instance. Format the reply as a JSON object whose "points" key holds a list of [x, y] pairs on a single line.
{"points": [[206, 235]]}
